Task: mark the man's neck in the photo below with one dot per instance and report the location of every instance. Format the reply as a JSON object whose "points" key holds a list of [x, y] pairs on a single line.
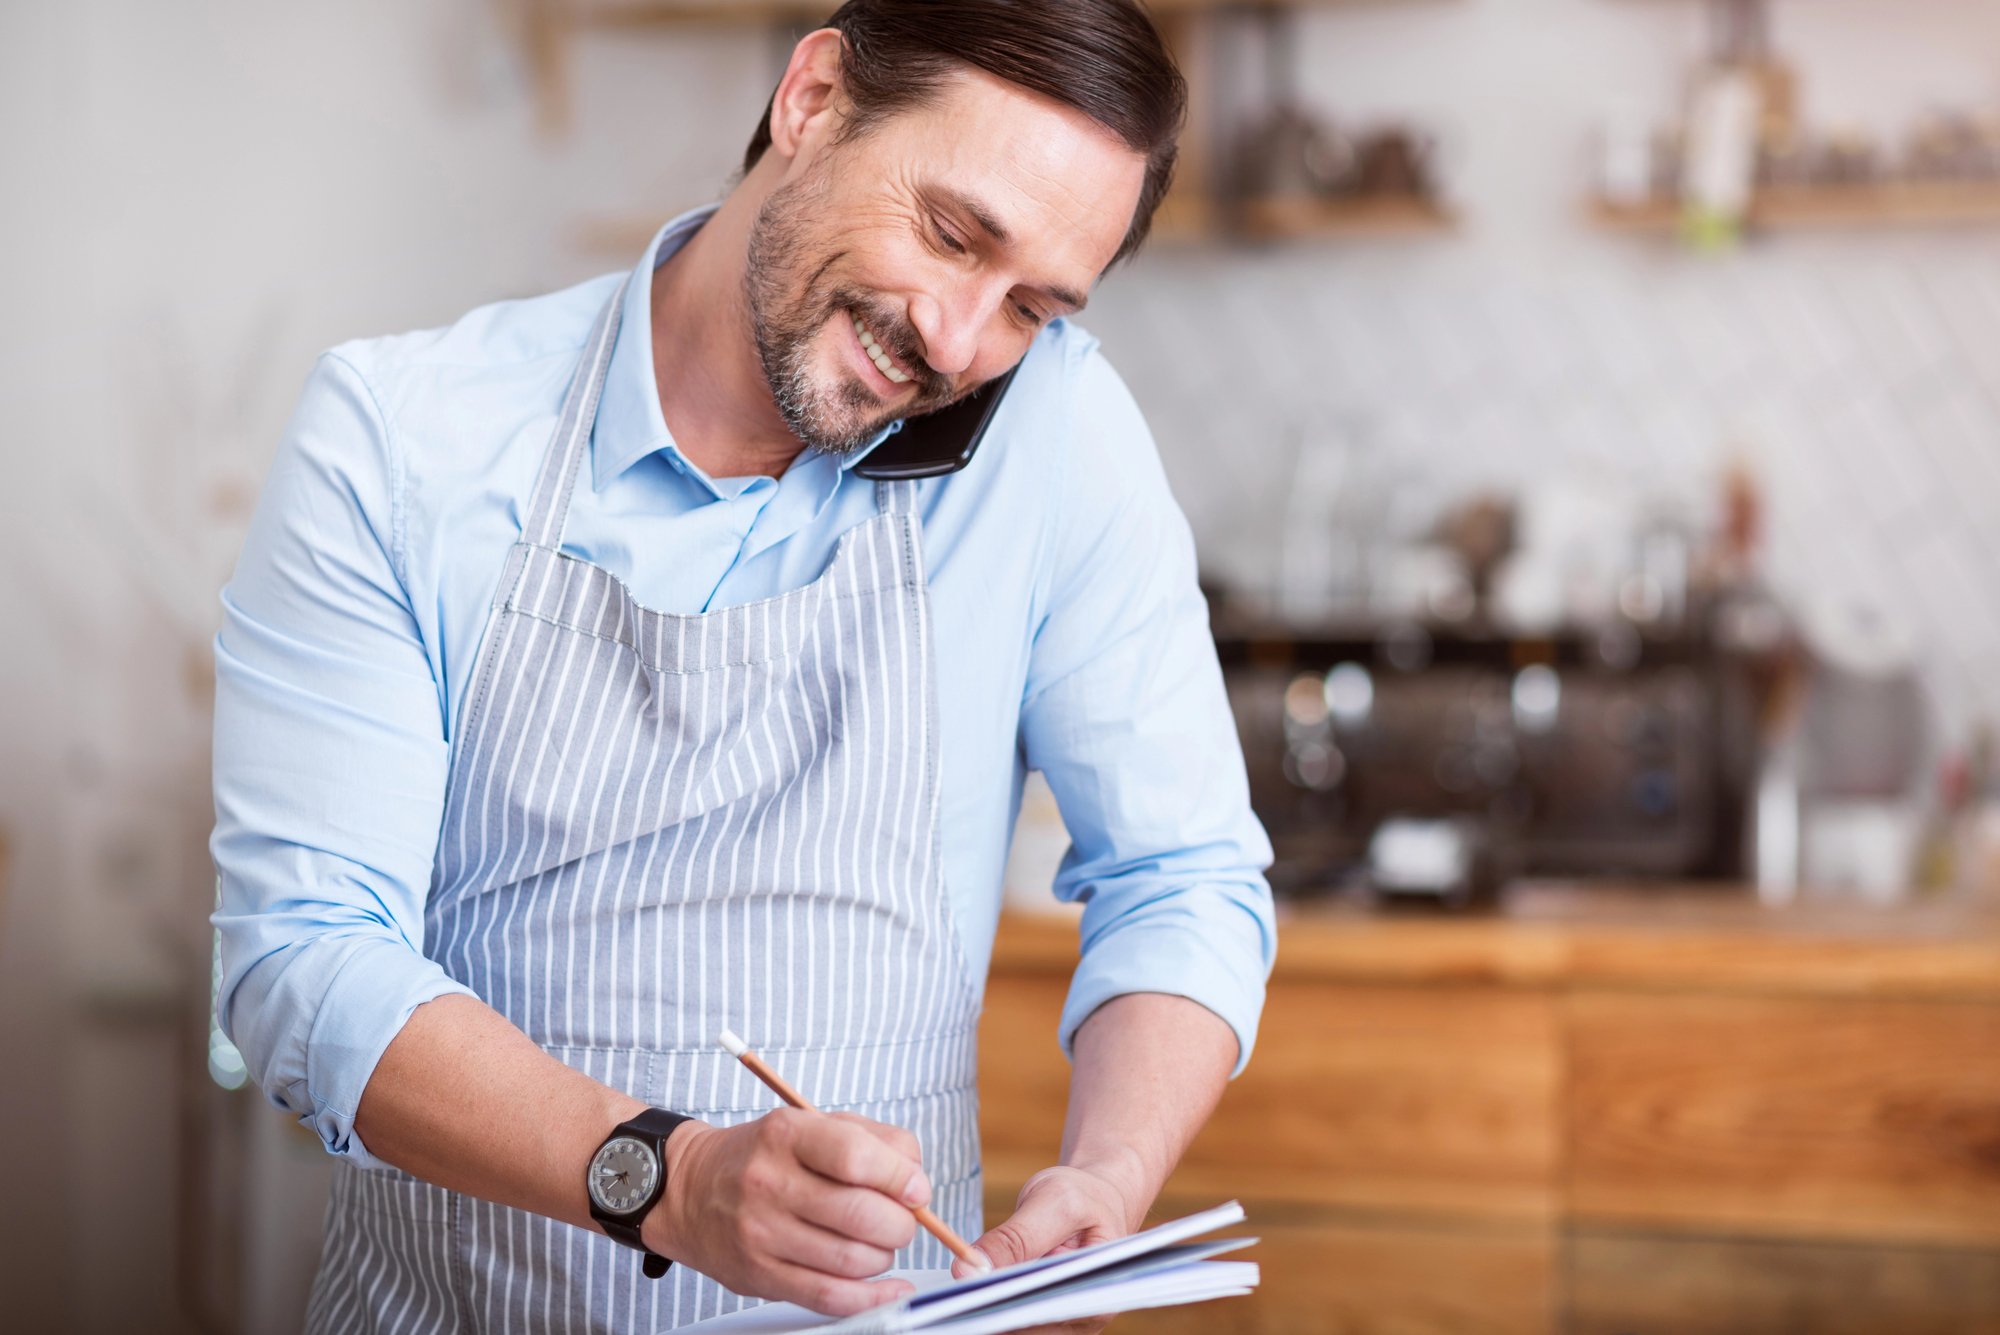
{"points": [[712, 389]]}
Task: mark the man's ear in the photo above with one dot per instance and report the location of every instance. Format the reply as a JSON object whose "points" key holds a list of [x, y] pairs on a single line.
{"points": [[806, 108]]}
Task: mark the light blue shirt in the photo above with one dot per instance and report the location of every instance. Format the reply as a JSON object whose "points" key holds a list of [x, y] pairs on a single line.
{"points": [[1070, 637]]}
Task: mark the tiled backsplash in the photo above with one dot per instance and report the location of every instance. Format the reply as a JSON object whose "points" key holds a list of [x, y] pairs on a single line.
{"points": [[1859, 381]]}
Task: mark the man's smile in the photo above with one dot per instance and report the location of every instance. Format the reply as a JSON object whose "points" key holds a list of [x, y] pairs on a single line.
{"points": [[878, 356]]}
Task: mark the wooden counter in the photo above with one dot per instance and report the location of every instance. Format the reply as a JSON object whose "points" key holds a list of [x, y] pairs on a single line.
{"points": [[1596, 1111]]}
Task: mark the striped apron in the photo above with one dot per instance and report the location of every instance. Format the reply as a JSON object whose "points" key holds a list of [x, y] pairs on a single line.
{"points": [[657, 826]]}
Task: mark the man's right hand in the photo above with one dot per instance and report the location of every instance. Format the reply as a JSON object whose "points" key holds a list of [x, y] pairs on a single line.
{"points": [[796, 1206]]}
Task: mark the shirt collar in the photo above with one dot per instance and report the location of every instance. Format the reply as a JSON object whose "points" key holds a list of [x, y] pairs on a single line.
{"points": [[629, 423]]}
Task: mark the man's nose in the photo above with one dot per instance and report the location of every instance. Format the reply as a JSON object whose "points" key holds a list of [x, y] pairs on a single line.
{"points": [[950, 326]]}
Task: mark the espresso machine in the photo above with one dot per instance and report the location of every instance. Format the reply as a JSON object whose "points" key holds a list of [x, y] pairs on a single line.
{"points": [[1423, 762]]}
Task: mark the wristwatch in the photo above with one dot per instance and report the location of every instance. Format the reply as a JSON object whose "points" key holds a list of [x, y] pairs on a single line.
{"points": [[628, 1175]]}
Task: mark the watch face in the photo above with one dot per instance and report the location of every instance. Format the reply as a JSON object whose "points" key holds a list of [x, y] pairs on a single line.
{"points": [[622, 1175]]}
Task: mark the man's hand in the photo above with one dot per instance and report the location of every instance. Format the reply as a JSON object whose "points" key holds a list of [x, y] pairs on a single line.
{"points": [[796, 1206], [1059, 1210], [1149, 1069]]}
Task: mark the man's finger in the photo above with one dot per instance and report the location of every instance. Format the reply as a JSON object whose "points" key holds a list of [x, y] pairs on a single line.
{"points": [[1044, 1222], [1057, 1211], [838, 1149], [802, 1241], [829, 1295], [856, 1213], [895, 1137]]}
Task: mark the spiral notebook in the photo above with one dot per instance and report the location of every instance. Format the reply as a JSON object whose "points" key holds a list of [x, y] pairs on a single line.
{"points": [[1161, 1267]]}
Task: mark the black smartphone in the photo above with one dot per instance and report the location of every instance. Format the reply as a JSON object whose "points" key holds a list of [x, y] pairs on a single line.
{"points": [[940, 442]]}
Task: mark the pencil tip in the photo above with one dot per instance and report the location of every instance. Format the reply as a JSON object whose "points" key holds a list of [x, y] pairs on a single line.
{"points": [[737, 1047]]}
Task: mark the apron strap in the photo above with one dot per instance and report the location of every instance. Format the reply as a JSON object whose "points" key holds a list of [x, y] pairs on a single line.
{"points": [[549, 510], [897, 497], [550, 507]]}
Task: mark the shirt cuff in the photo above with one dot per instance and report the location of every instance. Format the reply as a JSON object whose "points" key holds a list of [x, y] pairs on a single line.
{"points": [[1218, 960], [361, 1009]]}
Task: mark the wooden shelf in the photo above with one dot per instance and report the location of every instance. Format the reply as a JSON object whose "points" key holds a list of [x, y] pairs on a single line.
{"points": [[1184, 215], [548, 27], [1784, 208], [671, 13], [1188, 213], [1305, 217], [667, 13], [1182, 218]]}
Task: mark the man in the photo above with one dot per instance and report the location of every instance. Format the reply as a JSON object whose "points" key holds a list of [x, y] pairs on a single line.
{"points": [[578, 699]]}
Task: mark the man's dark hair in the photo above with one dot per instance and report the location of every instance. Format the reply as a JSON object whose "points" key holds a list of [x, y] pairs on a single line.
{"points": [[1101, 57]]}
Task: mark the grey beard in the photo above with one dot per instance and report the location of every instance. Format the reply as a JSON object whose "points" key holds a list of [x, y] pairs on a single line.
{"points": [[785, 358], [836, 421]]}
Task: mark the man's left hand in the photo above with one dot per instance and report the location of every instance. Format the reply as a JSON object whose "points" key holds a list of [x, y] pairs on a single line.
{"points": [[1059, 1210], [1148, 1070]]}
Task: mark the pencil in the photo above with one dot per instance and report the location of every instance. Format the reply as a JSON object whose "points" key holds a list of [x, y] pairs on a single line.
{"points": [[779, 1086]]}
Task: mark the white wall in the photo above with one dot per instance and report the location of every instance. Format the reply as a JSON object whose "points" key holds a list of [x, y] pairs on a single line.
{"points": [[202, 193], [1858, 374]]}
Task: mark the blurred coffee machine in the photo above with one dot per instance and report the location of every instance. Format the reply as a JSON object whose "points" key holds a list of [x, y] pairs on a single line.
{"points": [[1373, 757], [1556, 685]]}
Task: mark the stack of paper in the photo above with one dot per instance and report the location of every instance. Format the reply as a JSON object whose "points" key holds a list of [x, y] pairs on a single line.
{"points": [[1158, 1268]]}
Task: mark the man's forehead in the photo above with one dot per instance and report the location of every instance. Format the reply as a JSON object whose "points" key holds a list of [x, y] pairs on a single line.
{"points": [[1026, 170]]}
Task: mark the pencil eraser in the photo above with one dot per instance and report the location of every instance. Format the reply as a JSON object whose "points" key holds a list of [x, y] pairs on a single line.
{"points": [[737, 1047]]}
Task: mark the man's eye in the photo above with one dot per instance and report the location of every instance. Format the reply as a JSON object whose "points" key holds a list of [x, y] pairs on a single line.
{"points": [[1028, 313], [950, 242]]}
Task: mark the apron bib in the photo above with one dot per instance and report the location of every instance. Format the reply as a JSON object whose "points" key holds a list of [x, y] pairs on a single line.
{"points": [[657, 827]]}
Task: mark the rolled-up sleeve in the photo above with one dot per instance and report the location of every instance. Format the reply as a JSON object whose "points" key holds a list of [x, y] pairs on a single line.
{"points": [[1126, 715], [330, 764]]}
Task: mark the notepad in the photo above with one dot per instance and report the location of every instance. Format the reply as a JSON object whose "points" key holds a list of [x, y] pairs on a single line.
{"points": [[1161, 1267]]}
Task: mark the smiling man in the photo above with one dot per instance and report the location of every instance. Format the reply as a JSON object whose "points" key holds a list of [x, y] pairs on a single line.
{"points": [[581, 694]]}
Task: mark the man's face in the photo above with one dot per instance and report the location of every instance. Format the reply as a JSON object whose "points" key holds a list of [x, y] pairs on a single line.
{"points": [[901, 270]]}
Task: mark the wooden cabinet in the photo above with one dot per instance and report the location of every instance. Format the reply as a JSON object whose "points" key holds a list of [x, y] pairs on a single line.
{"points": [[1378, 1277], [1600, 1114], [1626, 1283], [1387, 1098], [1786, 1116]]}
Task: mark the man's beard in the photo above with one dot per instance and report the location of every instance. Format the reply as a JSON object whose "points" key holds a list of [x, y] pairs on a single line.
{"points": [[788, 309]]}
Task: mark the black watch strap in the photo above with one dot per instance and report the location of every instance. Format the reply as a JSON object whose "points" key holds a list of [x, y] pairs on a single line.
{"points": [[655, 1125], [653, 1122]]}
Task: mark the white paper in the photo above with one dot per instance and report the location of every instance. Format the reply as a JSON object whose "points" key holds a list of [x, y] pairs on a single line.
{"points": [[785, 1318], [1157, 1268]]}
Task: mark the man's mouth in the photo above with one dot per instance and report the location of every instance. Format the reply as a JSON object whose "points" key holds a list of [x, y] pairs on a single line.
{"points": [[879, 354]]}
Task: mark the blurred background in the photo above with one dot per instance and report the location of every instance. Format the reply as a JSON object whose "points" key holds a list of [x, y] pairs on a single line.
{"points": [[1588, 412]]}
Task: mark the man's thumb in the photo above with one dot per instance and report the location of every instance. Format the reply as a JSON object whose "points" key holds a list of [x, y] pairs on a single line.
{"points": [[1037, 1228], [961, 1270]]}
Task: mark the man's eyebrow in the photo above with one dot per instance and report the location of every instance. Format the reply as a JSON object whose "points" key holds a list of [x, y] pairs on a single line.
{"points": [[980, 214], [996, 229]]}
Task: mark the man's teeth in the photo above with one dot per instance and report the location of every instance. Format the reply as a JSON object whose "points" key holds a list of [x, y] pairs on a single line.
{"points": [[877, 355]]}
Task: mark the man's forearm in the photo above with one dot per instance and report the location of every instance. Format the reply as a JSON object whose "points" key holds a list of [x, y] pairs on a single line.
{"points": [[793, 1206], [465, 1100], [1149, 1069]]}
